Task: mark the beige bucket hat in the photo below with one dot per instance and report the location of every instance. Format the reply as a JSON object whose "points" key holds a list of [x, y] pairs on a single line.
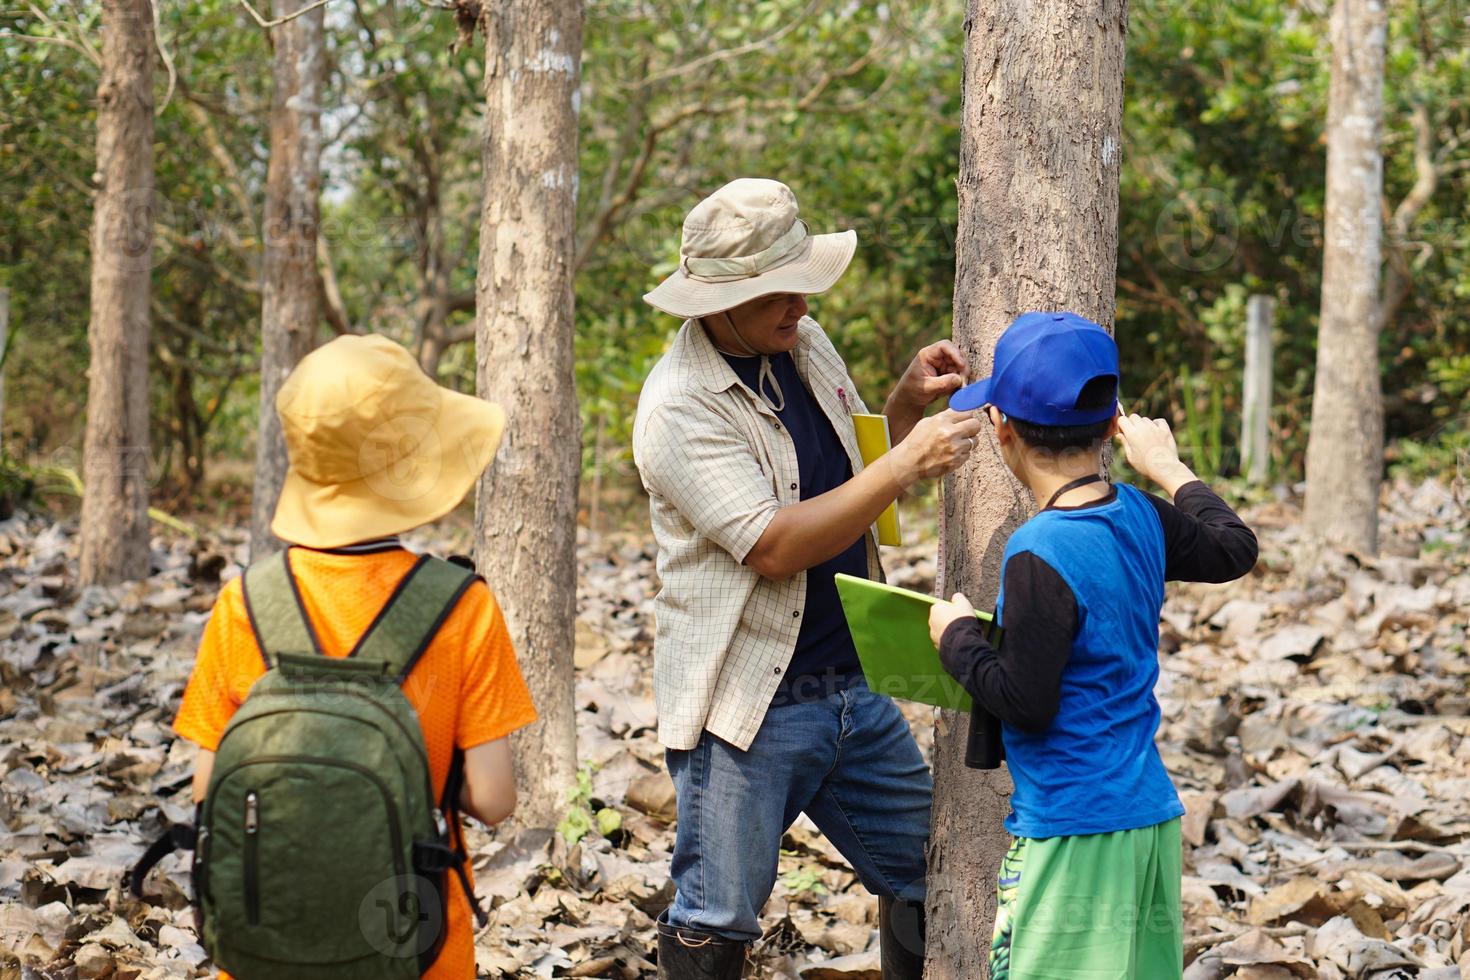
{"points": [[743, 241], [375, 446]]}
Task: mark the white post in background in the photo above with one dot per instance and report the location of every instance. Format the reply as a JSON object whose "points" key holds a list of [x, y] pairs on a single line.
{"points": [[1255, 437]]}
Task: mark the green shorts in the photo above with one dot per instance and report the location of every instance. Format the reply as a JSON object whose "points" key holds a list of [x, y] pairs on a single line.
{"points": [[1095, 907]]}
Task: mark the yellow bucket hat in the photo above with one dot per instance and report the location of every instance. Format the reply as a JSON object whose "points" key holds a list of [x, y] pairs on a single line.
{"points": [[375, 446]]}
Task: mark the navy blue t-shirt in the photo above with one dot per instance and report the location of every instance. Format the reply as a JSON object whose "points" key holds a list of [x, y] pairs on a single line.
{"points": [[825, 659]]}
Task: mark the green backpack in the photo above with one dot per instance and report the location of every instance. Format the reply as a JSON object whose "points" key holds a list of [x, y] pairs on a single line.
{"points": [[319, 850]]}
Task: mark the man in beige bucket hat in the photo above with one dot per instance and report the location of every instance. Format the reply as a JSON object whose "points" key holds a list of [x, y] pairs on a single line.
{"points": [[758, 496]]}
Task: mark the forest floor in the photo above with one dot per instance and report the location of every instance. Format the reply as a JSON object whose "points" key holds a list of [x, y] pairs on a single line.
{"points": [[1314, 720]]}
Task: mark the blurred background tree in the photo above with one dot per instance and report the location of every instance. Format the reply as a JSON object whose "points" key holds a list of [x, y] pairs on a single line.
{"points": [[855, 105]]}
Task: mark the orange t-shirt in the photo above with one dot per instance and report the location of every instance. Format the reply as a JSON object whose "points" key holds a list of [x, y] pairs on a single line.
{"points": [[466, 688]]}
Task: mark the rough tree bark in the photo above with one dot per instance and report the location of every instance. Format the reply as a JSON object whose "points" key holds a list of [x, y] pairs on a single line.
{"points": [[1345, 447], [4, 348], [290, 291], [114, 524], [1038, 230], [525, 516]]}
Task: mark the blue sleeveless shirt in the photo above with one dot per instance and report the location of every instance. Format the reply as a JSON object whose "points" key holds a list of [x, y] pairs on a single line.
{"points": [[1096, 769]]}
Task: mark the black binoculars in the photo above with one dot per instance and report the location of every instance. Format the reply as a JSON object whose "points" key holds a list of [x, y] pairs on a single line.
{"points": [[983, 748]]}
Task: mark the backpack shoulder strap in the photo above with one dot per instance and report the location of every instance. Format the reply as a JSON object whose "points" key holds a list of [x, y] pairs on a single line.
{"points": [[407, 623], [273, 604]]}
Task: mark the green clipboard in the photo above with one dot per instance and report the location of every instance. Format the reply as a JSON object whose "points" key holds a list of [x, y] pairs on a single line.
{"points": [[890, 628]]}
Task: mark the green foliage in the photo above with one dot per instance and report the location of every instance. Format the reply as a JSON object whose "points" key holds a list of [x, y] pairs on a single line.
{"points": [[806, 880], [1444, 456], [1222, 196], [1201, 439], [1452, 374], [886, 169], [575, 825], [609, 821], [857, 106], [17, 484], [203, 330], [581, 820]]}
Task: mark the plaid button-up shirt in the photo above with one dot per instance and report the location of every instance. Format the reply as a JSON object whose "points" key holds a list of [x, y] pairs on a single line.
{"points": [[718, 464]]}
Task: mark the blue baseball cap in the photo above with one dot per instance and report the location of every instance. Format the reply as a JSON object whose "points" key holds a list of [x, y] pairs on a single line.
{"points": [[1042, 363]]}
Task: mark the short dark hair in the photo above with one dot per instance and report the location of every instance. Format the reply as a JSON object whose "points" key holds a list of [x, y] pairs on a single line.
{"points": [[1100, 392]]}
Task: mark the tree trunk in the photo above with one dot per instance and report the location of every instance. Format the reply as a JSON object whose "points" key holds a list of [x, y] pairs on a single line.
{"points": [[1345, 447], [1038, 230], [4, 349], [525, 518], [290, 292], [114, 529], [430, 354]]}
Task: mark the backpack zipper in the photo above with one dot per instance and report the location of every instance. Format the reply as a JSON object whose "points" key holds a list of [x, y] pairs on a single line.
{"points": [[395, 832], [416, 744], [252, 848]]}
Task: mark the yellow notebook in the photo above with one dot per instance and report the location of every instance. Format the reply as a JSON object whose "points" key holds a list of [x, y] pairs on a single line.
{"points": [[873, 441]]}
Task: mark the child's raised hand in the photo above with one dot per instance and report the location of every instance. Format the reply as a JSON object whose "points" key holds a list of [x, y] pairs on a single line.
{"points": [[1152, 452], [941, 614]]}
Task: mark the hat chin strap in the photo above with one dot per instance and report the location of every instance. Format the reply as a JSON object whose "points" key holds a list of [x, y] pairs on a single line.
{"points": [[767, 375]]}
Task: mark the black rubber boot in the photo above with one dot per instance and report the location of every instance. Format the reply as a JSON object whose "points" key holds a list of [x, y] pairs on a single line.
{"points": [[688, 954], [901, 938]]}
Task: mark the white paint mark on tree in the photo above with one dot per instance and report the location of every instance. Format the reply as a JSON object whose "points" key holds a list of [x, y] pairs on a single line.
{"points": [[550, 60]]}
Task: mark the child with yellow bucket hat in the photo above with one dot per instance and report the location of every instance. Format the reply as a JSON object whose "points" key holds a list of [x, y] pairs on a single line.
{"points": [[349, 697]]}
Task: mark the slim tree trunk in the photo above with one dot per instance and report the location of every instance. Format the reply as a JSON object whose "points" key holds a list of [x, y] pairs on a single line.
{"points": [[525, 517], [1038, 230], [114, 530], [430, 355], [290, 293], [1345, 447], [4, 349]]}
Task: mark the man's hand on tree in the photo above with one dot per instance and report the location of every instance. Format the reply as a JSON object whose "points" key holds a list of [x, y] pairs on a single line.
{"points": [[937, 445], [936, 372]]}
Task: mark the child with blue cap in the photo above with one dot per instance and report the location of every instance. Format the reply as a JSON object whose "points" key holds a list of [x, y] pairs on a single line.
{"points": [[1090, 886]]}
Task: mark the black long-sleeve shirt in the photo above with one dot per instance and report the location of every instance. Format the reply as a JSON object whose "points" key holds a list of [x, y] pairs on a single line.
{"points": [[1204, 541]]}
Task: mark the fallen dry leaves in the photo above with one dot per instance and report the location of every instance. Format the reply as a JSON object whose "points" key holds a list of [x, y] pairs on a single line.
{"points": [[1315, 722]]}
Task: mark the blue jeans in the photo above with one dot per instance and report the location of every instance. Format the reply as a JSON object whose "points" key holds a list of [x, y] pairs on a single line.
{"points": [[847, 759]]}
